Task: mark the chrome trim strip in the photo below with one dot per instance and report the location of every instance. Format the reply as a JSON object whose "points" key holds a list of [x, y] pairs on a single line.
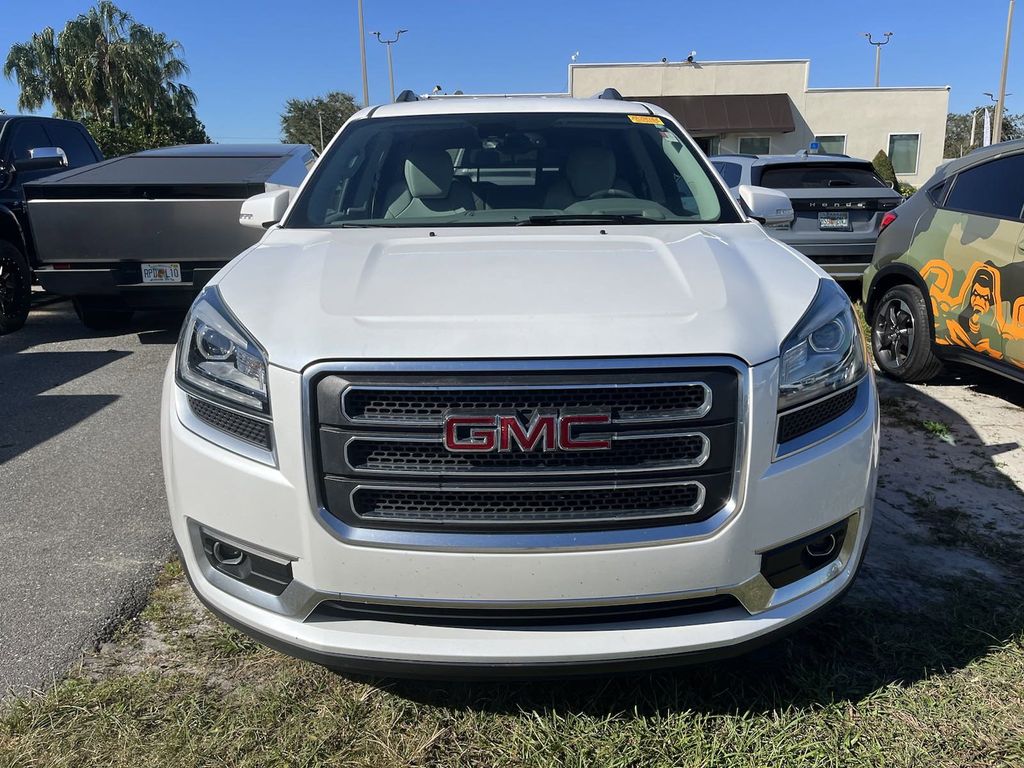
{"points": [[830, 428], [680, 415], [681, 512], [221, 439], [695, 463], [553, 541]]}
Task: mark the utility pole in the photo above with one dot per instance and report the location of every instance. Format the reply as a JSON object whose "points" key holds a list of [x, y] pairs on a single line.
{"points": [[391, 69], [362, 56], [997, 129], [320, 115], [878, 55]]}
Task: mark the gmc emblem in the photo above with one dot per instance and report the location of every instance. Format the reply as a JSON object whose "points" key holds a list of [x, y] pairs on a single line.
{"points": [[503, 434]]}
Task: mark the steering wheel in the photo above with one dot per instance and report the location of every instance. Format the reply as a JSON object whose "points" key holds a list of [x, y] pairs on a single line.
{"points": [[603, 193]]}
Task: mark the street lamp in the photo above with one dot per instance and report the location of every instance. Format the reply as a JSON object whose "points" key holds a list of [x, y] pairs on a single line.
{"points": [[362, 56], [391, 69], [997, 130], [878, 54]]}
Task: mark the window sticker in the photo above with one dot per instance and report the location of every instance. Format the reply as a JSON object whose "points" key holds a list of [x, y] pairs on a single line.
{"points": [[646, 119]]}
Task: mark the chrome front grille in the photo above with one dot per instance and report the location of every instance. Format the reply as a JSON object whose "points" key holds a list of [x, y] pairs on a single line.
{"points": [[382, 462]]}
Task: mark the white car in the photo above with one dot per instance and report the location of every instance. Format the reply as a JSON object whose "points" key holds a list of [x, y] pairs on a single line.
{"points": [[514, 387]]}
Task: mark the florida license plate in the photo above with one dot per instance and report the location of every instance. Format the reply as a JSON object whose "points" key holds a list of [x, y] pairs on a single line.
{"points": [[834, 220], [161, 273]]}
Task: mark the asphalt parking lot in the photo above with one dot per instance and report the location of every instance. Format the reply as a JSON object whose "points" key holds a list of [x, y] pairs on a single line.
{"points": [[84, 519]]}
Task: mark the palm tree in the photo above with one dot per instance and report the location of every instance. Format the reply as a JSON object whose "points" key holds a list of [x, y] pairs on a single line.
{"points": [[40, 71], [103, 63]]}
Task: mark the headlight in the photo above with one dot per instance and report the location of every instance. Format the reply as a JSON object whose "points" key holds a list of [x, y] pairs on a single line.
{"points": [[218, 358], [824, 353]]}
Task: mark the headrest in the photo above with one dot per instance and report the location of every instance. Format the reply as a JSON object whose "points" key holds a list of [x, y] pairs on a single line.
{"points": [[590, 170], [428, 173]]}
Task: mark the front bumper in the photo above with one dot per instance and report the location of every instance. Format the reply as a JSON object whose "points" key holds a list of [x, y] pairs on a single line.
{"points": [[267, 505]]}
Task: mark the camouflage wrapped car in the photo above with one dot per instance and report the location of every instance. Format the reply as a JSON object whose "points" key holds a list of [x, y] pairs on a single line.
{"points": [[947, 279]]}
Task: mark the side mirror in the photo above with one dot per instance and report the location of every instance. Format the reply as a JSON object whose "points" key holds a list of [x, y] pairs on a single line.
{"points": [[42, 159], [768, 206], [265, 209]]}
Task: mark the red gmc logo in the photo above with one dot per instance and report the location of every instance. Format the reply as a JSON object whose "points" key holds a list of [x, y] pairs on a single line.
{"points": [[545, 432]]}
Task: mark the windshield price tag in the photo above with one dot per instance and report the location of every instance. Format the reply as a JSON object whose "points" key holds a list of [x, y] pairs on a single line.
{"points": [[646, 119]]}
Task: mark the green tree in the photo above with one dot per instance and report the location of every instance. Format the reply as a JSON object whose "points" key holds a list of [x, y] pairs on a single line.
{"points": [[300, 122], [958, 130], [118, 75]]}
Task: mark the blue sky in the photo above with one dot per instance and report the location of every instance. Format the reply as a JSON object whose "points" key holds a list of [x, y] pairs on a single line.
{"points": [[249, 56]]}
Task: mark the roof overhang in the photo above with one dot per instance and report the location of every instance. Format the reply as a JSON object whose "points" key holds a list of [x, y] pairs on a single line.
{"points": [[733, 113]]}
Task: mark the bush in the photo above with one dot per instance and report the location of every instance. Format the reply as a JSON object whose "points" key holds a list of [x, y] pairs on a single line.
{"points": [[883, 167], [138, 136]]}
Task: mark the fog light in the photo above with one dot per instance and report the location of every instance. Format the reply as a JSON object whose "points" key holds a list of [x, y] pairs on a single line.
{"points": [[250, 567], [791, 562]]}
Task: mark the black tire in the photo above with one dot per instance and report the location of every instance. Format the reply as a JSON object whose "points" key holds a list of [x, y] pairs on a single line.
{"points": [[102, 314], [901, 336], [15, 288]]}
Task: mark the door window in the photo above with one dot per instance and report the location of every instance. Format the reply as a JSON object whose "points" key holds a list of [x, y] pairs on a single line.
{"points": [[731, 172], [994, 189], [69, 137], [28, 134]]}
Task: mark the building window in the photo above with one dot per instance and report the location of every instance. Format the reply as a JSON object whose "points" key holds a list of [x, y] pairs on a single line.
{"points": [[755, 145], [833, 144], [903, 150]]}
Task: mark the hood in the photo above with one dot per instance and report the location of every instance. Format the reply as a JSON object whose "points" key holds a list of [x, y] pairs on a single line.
{"points": [[532, 292]]}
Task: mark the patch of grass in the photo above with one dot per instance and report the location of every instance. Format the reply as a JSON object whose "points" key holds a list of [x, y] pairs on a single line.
{"points": [[867, 685], [939, 430]]}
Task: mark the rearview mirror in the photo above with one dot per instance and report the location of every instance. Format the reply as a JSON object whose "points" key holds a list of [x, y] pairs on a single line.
{"points": [[265, 209], [42, 159], [768, 206]]}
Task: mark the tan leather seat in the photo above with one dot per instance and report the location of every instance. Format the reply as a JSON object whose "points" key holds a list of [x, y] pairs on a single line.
{"points": [[588, 170], [430, 188]]}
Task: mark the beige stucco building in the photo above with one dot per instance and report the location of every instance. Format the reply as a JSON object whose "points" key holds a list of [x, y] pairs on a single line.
{"points": [[763, 107]]}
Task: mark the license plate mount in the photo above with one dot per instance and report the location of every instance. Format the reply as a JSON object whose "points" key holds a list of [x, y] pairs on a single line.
{"points": [[834, 221], [161, 273]]}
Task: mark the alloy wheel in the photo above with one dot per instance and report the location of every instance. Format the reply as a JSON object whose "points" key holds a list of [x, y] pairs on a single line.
{"points": [[894, 333]]}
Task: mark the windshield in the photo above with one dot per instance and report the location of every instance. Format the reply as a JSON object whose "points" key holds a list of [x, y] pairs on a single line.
{"points": [[501, 169]]}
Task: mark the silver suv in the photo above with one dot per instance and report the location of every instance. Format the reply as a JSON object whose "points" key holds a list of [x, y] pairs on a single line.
{"points": [[838, 202]]}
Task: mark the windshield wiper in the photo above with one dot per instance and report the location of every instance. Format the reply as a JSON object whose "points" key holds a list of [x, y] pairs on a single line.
{"points": [[555, 219]]}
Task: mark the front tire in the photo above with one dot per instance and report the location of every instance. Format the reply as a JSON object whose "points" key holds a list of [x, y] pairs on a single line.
{"points": [[15, 288], [102, 315], [901, 337]]}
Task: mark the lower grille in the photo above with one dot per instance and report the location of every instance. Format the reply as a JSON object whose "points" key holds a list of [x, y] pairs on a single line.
{"points": [[801, 422], [498, 618], [243, 427], [509, 507]]}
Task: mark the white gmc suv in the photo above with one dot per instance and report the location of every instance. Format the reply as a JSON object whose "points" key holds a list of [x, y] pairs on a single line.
{"points": [[513, 386]]}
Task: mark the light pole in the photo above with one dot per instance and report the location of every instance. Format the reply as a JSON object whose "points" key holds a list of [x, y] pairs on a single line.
{"points": [[362, 56], [997, 130], [391, 69], [878, 54]]}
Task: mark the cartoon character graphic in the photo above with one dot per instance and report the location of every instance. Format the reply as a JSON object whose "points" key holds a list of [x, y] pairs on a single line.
{"points": [[976, 314]]}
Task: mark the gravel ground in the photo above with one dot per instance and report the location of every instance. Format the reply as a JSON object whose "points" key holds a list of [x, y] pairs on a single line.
{"points": [[83, 519]]}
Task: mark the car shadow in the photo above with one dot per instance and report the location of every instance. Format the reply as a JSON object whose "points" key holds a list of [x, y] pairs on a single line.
{"points": [[940, 587], [34, 366]]}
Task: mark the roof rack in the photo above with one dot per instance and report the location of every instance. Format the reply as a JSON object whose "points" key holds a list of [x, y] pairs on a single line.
{"points": [[406, 95], [609, 93]]}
